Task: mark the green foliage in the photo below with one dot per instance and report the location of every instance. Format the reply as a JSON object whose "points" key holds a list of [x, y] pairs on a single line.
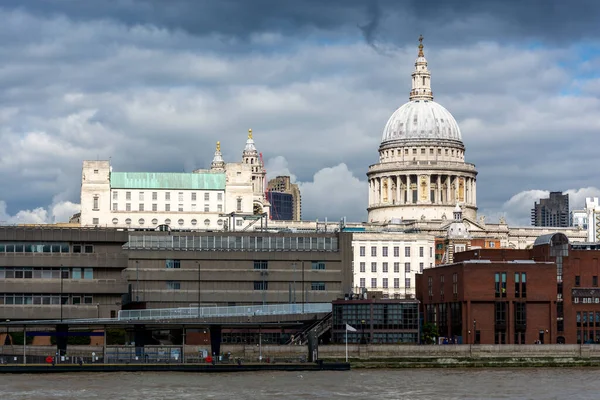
{"points": [[17, 338], [74, 340], [430, 333], [116, 336]]}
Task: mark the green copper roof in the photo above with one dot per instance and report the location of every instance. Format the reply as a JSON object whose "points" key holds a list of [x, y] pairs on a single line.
{"points": [[167, 180]]}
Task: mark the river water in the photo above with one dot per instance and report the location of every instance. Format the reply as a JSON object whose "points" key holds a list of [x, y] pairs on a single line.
{"points": [[554, 383]]}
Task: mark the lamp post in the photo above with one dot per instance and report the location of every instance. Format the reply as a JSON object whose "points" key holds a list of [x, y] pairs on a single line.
{"points": [[474, 331], [198, 264], [6, 338], [137, 280], [61, 293], [363, 340], [264, 274], [294, 284]]}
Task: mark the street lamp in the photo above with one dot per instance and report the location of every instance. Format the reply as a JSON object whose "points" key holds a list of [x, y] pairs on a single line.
{"points": [[137, 281], [264, 274], [474, 331], [61, 293], [198, 264], [6, 339], [363, 340]]}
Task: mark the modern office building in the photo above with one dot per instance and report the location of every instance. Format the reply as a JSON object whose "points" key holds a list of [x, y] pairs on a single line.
{"points": [[183, 269], [548, 293], [50, 272], [551, 212], [383, 321], [282, 205], [284, 185]]}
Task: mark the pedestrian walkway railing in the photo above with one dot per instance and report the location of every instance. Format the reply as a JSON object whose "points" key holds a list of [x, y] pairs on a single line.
{"points": [[234, 311]]}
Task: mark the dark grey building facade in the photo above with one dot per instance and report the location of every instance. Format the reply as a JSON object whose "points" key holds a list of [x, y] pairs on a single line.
{"points": [[383, 321], [551, 212], [50, 272], [184, 269]]}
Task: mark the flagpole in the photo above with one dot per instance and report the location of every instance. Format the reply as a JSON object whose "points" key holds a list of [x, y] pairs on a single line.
{"points": [[346, 343]]}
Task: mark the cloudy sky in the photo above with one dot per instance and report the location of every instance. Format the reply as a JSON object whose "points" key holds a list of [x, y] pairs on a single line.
{"points": [[153, 84]]}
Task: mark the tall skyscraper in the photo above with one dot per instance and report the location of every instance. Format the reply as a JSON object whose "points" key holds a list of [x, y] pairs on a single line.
{"points": [[553, 211]]}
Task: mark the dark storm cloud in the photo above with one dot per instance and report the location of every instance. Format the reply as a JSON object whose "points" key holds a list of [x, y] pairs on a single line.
{"points": [[387, 20]]}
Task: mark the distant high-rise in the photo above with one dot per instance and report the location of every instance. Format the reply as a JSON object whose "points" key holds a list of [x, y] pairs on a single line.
{"points": [[551, 212], [283, 210]]}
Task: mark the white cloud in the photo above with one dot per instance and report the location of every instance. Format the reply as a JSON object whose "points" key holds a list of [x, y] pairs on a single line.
{"points": [[58, 212], [334, 193], [157, 100]]}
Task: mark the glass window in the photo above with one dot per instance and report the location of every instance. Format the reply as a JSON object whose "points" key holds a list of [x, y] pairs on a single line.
{"points": [[384, 251], [206, 196], [373, 251], [362, 251], [77, 273], [363, 267], [88, 273], [173, 264]]}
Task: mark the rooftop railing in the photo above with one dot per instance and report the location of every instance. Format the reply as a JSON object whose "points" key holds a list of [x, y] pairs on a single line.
{"points": [[233, 311]]}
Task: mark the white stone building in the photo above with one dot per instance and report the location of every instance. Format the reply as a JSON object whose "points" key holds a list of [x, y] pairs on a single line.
{"points": [[388, 261], [199, 200]]}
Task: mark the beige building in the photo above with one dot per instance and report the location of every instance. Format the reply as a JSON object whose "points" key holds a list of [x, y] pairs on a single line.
{"points": [[198, 200], [50, 272]]}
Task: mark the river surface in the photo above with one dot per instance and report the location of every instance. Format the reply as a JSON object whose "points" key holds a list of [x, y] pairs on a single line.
{"points": [[435, 384]]}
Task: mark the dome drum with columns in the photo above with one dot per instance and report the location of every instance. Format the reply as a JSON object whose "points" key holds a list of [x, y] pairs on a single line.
{"points": [[422, 173]]}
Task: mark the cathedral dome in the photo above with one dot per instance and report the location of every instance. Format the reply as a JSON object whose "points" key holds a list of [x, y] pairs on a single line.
{"points": [[421, 119]]}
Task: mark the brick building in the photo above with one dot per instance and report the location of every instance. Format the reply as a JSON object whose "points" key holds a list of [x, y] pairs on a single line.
{"points": [[548, 293]]}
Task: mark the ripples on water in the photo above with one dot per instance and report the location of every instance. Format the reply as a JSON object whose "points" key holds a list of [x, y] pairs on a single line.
{"points": [[418, 384]]}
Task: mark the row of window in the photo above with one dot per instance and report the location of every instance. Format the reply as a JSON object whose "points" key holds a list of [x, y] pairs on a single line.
{"points": [[45, 247], [385, 283], [584, 317], [258, 285], [442, 281], [167, 221], [242, 243], [520, 282], [385, 267], [594, 280], [46, 273], [45, 299], [167, 195], [316, 265], [396, 249], [180, 207], [259, 264]]}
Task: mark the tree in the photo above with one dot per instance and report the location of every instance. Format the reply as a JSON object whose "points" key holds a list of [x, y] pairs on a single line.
{"points": [[430, 333]]}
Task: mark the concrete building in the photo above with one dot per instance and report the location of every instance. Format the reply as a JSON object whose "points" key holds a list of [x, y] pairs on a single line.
{"points": [[548, 293], [387, 262], [551, 212], [421, 173], [283, 184], [216, 268], [199, 200], [53, 273]]}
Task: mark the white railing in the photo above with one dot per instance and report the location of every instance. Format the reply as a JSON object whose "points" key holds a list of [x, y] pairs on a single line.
{"points": [[234, 311]]}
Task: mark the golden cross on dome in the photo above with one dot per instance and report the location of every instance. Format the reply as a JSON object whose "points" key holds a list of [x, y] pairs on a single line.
{"points": [[249, 133], [218, 146], [421, 46]]}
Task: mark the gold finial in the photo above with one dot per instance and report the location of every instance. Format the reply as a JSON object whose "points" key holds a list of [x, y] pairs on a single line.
{"points": [[421, 46], [218, 146], [249, 133]]}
